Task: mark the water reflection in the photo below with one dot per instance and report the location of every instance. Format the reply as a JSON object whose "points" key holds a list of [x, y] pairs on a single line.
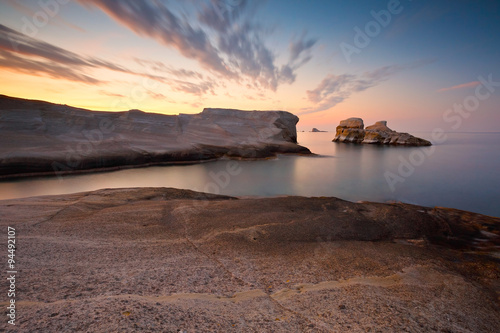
{"points": [[456, 175]]}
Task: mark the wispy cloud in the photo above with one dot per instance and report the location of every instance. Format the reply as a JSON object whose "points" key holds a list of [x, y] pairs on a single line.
{"points": [[241, 42], [335, 89], [461, 86], [111, 94], [158, 66], [153, 19], [15, 63], [224, 41], [301, 46], [181, 79], [195, 88], [21, 53], [13, 41], [222, 38], [159, 96]]}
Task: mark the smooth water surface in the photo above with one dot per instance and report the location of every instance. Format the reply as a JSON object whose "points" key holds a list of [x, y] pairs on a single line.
{"points": [[463, 172]]}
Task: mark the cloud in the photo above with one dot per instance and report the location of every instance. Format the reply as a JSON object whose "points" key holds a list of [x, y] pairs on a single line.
{"points": [[242, 43], [158, 66], [334, 89], [153, 19], [178, 81], [13, 41], [223, 39], [302, 45], [197, 89], [461, 86], [159, 96], [220, 15], [22, 53], [30, 66], [385, 72], [111, 94]]}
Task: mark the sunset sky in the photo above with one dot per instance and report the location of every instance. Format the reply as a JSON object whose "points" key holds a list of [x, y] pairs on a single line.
{"points": [[408, 62]]}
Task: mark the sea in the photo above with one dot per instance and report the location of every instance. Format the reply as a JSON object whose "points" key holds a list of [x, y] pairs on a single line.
{"points": [[462, 171]]}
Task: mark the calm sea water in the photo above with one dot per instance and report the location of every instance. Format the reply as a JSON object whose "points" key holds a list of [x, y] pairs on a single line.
{"points": [[463, 172]]}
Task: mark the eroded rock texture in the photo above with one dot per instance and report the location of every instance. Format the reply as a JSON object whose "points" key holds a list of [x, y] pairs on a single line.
{"points": [[43, 138], [168, 260], [352, 130]]}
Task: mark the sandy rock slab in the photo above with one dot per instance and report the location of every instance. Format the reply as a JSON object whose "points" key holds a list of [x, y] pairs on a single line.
{"points": [[169, 260], [41, 138]]}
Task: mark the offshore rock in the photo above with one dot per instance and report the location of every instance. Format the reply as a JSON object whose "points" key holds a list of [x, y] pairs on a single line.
{"points": [[352, 123], [351, 130]]}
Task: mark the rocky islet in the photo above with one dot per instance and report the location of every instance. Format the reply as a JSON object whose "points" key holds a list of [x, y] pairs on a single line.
{"points": [[352, 130]]}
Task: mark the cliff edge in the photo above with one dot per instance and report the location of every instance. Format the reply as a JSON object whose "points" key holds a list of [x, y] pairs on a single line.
{"points": [[43, 138]]}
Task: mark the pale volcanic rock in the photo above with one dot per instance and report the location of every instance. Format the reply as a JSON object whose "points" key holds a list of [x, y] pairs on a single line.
{"points": [[379, 126], [352, 123], [354, 135], [378, 133], [43, 138], [168, 260]]}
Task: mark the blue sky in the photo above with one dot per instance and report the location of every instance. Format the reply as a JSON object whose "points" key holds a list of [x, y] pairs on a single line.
{"points": [[419, 60]]}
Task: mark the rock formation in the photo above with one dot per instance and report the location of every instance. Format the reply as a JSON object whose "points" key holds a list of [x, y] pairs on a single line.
{"points": [[167, 260], [352, 123], [43, 138], [352, 130], [315, 130]]}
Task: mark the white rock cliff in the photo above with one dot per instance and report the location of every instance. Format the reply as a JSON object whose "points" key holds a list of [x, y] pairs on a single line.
{"points": [[42, 138]]}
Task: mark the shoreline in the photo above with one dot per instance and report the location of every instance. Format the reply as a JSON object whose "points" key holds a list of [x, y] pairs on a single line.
{"points": [[455, 212], [52, 174], [86, 172], [162, 257]]}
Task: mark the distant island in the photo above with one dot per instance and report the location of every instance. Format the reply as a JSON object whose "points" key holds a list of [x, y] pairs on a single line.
{"points": [[352, 130], [315, 130], [41, 138]]}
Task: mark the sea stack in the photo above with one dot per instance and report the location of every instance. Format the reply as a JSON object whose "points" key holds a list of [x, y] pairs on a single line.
{"points": [[352, 130]]}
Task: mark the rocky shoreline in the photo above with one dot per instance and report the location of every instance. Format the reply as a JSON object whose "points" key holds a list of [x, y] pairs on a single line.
{"points": [[159, 259], [41, 138]]}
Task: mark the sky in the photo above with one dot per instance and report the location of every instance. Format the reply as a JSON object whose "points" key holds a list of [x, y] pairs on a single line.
{"points": [[418, 64]]}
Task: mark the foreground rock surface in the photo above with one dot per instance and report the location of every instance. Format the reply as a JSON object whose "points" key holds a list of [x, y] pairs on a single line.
{"points": [[352, 130], [167, 260], [44, 138]]}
